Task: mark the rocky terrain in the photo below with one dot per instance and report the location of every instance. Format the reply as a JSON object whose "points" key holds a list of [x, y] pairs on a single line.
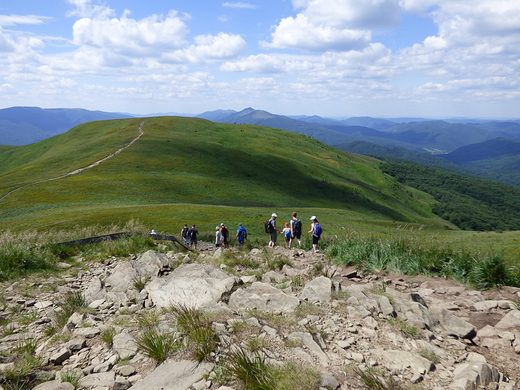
{"points": [[412, 332]]}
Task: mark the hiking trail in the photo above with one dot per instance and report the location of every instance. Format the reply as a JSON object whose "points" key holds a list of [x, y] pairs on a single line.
{"points": [[79, 170]]}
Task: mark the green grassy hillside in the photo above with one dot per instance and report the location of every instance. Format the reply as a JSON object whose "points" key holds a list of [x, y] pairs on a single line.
{"points": [[196, 171]]}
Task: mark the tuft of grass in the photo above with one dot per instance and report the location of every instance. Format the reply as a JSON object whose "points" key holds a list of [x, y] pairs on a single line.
{"points": [[376, 382], [233, 259], [148, 319], [156, 345], [292, 376], [198, 330], [108, 334], [72, 303], [277, 262], [250, 370], [404, 327], [256, 343], [140, 283], [23, 375], [429, 355], [72, 376]]}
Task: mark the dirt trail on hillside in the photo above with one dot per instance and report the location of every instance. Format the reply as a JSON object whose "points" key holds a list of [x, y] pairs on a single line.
{"points": [[79, 170]]}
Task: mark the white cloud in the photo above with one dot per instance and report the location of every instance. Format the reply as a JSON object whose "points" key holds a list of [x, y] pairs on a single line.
{"points": [[84, 9], [209, 47], [239, 5], [132, 37], [301, 33], [7, 44], [13, 20], [338, 25]]}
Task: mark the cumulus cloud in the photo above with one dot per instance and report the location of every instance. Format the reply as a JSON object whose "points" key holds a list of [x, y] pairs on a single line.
{"points": [[129, 36], [209, 47], [338, 25]]}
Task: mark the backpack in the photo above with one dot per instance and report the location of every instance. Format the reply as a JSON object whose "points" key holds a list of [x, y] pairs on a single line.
{"points": [[184, 232], [242, 233], [225, 232], [297, 227], [268, 226], [318, 229]]}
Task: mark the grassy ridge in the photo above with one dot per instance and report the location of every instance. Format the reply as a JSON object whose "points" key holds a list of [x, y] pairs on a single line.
{"points": [[195, 163], [58, 155]]}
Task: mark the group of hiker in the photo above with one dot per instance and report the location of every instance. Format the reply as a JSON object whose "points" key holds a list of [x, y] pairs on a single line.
{"points": [[292, 231]]}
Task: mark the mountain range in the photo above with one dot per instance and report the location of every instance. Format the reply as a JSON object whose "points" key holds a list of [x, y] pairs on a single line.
{"points": [[486, 148], [26, 125]]}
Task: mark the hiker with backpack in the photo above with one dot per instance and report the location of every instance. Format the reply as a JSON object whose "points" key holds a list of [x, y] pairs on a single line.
{"points": [[241, 235], [316, 231], [296, 230], [270, 227], [184, 234], [225, 234], [192, 236]]}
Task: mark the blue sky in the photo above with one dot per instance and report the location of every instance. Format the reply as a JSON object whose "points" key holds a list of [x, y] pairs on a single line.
{"points": [[336, 58]]}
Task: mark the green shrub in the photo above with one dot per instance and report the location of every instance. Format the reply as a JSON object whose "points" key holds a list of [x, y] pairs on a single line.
{"points": [[492, 272]]}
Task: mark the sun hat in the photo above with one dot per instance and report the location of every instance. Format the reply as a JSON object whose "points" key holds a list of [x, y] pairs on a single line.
{"points": [[221, 224], [274, 215], [313, 218], [239, 224]]}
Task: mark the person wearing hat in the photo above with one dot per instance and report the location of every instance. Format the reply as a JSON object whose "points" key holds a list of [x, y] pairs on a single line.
{"points": [[316, 230], [273, 231], [241, 234], [225, 234]]}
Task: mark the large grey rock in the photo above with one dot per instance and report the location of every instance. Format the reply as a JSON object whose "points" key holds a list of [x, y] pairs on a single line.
{"points": [[317, 290], [124, 345], [103, 379], [149, 264], [123, 277], [174, 376], [307, 340], [402, 360], [55, 385], [473, 375], [95, 290], [263, 296], [191, 285], [510, 321], [454, 325]]}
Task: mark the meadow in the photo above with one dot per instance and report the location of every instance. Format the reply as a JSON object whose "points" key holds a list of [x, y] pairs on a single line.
{"points": [[189, 170]]}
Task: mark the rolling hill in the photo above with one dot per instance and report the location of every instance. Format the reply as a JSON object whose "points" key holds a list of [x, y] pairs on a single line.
{"points": [[26, 125], [195, 170]]}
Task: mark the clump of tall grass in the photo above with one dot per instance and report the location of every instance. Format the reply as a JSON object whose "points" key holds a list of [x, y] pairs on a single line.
{"points": [[23, 374], [407, 255], [71, 303], [252, 371], [372, 381], [198, 330], [158, 345]]}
